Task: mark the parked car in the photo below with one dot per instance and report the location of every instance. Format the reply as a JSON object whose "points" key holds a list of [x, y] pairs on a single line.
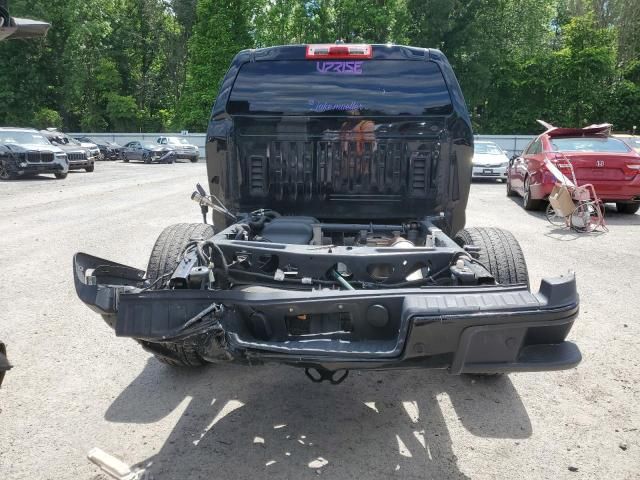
{"points": [[25, 152], [94, 151], [597, 158], [182, 147], [148, 152], [108, 150], [489, 161], [80, 158], [335, 255], [632, 140]]}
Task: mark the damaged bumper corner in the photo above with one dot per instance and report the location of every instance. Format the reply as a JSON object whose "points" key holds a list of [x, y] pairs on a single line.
{"points": [[479, 329]]}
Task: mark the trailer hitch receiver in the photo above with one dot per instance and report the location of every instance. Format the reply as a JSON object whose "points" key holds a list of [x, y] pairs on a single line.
{"points": [[335, 377]]}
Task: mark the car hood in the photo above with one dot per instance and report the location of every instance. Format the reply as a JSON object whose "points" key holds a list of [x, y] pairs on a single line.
{"points": [[487, 159], [32, 147], [88, 145]]}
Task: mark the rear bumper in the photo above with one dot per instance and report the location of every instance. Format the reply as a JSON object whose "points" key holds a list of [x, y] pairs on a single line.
{"points": [[463, 329], [607, 191]]}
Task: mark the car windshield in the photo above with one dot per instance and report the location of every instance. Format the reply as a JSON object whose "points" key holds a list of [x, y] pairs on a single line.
{"points": [[589, 144], [371, 87], [22, 138], [177, 141], [488, 148]]}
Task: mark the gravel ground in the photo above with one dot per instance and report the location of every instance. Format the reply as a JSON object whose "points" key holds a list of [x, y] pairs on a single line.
{"points": [[75, 386]]}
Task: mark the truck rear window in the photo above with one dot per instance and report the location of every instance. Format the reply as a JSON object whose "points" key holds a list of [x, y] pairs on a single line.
{"points": [[340, 87]]}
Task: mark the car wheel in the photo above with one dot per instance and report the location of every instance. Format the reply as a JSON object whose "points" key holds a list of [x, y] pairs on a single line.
{"points": [[91, 168], [146, 158], [499, 252], [194, 160], [5, 171], [164, 258], [627, 208], [510, 191], [61, 176], [125, 159], [528, 202]]}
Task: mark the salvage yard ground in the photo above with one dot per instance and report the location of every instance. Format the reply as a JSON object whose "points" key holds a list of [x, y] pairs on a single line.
{"points": [[75, 386]]}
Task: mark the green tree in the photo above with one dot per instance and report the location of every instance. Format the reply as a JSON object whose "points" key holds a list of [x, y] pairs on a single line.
{"points": [[222, 29]]}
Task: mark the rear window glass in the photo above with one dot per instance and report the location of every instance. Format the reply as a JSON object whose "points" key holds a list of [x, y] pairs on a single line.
{"points": [[338, 87], [586, 144]]}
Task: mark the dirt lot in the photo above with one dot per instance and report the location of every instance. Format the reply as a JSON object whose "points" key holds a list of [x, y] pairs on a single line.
{"points": [[75, 386]]}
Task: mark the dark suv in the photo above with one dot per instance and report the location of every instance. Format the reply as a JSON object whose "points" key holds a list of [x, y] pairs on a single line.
{"points": [[339, 176], [79, 157]]}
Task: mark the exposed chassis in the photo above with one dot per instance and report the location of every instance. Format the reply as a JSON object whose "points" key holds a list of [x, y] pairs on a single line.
{"points": [[466, 329]]}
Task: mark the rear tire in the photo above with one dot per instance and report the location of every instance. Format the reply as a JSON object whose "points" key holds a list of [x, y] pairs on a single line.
{"points": [[165, 255], [527, 202], [499, 251], [627, 208]]}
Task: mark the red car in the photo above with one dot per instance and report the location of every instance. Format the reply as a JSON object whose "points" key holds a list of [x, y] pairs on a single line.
{"points": [[597, 158]]}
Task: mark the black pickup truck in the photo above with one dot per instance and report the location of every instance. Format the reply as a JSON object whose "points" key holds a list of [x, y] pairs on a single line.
{"points": [[339, 176]]}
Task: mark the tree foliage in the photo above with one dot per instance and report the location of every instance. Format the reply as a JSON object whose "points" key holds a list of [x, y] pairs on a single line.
{"points": [[110, 65]]}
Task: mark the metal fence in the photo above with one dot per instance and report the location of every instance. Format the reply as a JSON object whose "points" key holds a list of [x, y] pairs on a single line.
{"points": [[197, 139], [509, 143]]}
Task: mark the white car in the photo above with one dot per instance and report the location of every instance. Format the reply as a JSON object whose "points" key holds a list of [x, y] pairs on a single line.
{"points": [[182, 147], [489, 161]]}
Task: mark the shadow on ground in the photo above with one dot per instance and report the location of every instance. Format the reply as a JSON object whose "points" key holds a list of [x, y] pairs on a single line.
{"points": [[242, 422]]}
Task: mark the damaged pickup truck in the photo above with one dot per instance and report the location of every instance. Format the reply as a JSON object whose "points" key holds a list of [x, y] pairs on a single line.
{"points": [[339, 176]]}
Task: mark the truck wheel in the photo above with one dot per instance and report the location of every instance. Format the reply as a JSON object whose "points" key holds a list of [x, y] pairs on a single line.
{"points": [[61, 176], [628, 208], [499, 251], [164, 258], [90, 169], [527, 202]]}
